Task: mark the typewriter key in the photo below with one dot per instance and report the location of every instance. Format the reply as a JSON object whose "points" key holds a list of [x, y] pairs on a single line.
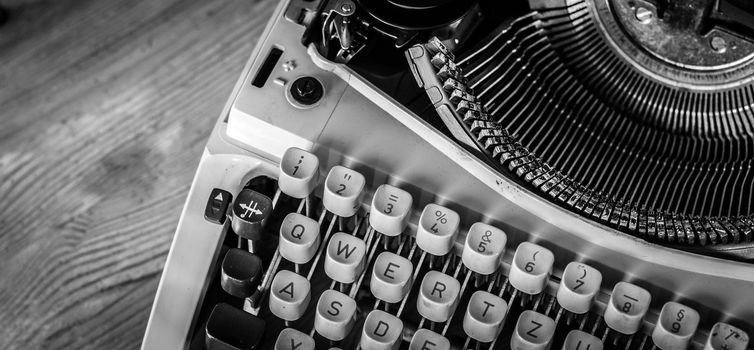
{"points": [[675, 326], [484, 316], [578, 287], [627, 306]]}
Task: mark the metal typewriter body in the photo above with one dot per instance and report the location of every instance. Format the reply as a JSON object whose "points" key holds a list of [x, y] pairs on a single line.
{"points": [[358, 126]]}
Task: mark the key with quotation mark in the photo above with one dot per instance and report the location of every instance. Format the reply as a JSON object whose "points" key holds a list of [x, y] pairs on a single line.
{"points": [[344, 189]]}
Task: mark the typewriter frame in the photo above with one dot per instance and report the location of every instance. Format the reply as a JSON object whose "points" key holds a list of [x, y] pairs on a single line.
{"points": [[242, 147]]}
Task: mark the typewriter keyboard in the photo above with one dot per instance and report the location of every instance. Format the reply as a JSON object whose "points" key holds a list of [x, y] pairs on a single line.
{"points": [[361, 268]]}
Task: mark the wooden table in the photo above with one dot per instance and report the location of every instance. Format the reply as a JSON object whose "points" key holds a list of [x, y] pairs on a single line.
{"points": [[105, 107]]}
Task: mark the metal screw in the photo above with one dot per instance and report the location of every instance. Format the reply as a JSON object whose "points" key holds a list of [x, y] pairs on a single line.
{"points": [[289, 65], [718, 44], [347, 8], [644, 15]]}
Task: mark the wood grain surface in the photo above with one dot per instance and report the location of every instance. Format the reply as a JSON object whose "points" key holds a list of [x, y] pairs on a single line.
{"points": [[105, 107]]}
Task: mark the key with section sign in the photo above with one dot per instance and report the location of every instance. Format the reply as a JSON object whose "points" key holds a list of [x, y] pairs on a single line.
{"points": [[627, 307], [391, 208], [484, 316], [578, 287], [250, 212], [382, 331], [534, 331], [531, 268], [291, 339], [343, 191], [437, 230], [391, 277], [299, 238], [675, 326], [438, 296], [726, 337], [484, 246], [299, 173]]}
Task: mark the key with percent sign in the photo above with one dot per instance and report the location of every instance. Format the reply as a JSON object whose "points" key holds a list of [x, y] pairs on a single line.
{"points": [[438, 228]]}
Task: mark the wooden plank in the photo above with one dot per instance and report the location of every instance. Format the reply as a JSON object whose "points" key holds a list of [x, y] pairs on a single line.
{"points": [[105, 107]]}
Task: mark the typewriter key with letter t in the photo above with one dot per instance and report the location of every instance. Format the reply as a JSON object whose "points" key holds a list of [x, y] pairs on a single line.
{"points": [[299, 173], [343, 191], [437, 230], [627, 306], [484, 246], [382, 331], [391, 208], [484, 316], [531, 268]]}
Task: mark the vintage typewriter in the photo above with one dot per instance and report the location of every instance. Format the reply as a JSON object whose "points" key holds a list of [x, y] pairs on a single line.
{"points": [[476, 174]]}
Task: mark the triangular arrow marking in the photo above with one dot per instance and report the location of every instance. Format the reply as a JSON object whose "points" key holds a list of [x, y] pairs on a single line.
{"points": [[219, 197]]}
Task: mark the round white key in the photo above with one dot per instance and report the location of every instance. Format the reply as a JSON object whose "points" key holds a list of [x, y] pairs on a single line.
{"points": [[438, 296], [726, 337], [675, 327], [424, 339], [531, 268], [391, 208], [484, 246], [289, 295], [578, 287], [579, 340], [335, 315], [437, 230], [627, 306], [291, 339], [484, 316], [345, 257], [391, 277], [299, 238], [344, 189], [299, 173], [382, 331], [534, 331]]}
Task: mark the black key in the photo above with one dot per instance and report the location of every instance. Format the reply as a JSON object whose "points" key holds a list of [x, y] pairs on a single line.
{"points": [[229, 328], [217, 205], [241, 273], [250, 212]]}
